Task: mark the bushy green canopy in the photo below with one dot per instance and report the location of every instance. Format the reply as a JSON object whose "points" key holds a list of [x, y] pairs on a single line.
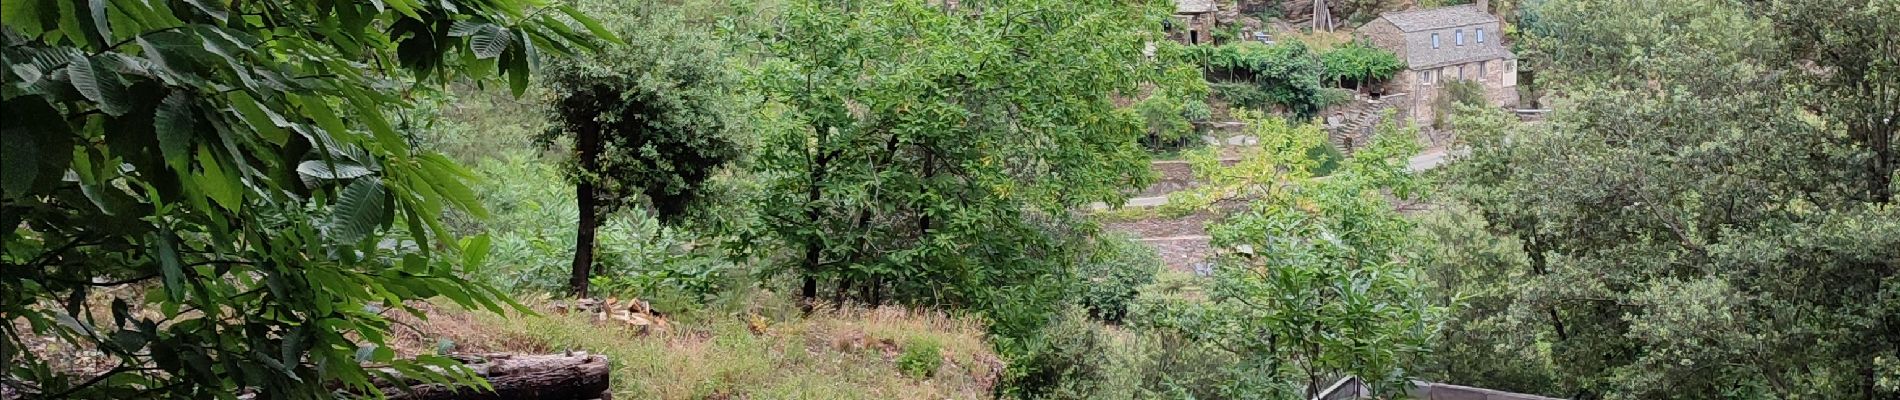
{"points": [[930, 154], [666, 105], [1286, 74], [1706, 214], [1361, 63], [214, 194]]}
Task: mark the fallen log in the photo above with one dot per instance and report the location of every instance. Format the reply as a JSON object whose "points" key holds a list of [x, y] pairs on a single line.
{"points": [[577, 376]]}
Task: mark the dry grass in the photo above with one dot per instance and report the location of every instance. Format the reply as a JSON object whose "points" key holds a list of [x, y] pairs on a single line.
{"points": [[841, 354], [1319, 41]]}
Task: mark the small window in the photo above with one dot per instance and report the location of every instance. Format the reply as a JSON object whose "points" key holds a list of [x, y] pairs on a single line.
{"points": [[1480, 35], [1458, 37], [1434, 40], [1481, 64], [1461, 72], [1426, 77]]}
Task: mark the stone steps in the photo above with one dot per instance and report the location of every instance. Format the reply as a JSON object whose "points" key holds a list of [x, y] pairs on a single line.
{"points": [[1359, 122]]}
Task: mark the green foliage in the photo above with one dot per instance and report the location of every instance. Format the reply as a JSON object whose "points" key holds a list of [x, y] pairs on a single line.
{"points": [[1066, 360], [472, 124], [1286, 74], [1196, 110], [1455, 95], [1241, 95], [1358, 12], [652, 120], [1335, 97], [532, 221], [921, 358], [1170, 365], [1166, 118], [1361, 63], [1117, 266], [234, 164], [1490, 341], [1266, 11], [1173, 362], [1222, 36], [663, 107], [1703, 216], [927, 155], [1317, 282], [1328, 157]]}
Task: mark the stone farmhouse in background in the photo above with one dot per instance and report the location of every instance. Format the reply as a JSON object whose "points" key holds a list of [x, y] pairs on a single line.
{"points": [[1440, 45], [1193, 21]]}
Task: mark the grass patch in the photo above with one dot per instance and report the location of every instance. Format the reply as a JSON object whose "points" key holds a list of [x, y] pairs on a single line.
{"points": [[1126, 214], [850, 353], [1319, 41]]}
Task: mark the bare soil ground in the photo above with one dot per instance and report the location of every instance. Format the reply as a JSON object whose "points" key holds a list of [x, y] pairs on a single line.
{"points": [[1175, 176]]}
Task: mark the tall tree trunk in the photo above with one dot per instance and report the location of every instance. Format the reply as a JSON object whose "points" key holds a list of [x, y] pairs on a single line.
{"points": [[814, 248], [585, 199], [838, 295], [1540, 268], [1882, 164]]}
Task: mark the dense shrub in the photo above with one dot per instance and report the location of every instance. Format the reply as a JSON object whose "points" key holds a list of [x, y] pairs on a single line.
{"points": [[1241, 95], [1167, 120], [1196, 110], [1485, 345], [1335, 96], [1171, 365], [1172, 362], [1265, 11], [1328, 159], [1457, 93], [921, 358], [532, 212], [1287, 74], [1068, 359], [1117, 267]]}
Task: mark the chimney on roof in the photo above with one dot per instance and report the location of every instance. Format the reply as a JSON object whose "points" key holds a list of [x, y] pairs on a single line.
{"points": [[1484, 5]]}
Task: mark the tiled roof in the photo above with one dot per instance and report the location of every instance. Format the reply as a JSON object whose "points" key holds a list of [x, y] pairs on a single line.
{"points": [[1194, 6], [1433, 18], [1449, 53], [1416, 25]]}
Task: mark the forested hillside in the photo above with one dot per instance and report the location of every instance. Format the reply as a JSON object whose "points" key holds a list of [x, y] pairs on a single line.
{"points": [[1023, 199]]}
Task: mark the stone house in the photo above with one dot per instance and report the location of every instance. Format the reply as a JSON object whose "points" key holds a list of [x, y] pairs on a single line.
{"points": [[1440, 45], [1193, 21]]}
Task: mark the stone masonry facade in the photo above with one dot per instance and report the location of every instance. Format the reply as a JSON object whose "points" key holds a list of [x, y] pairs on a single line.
{"points": [[1440, 45]]}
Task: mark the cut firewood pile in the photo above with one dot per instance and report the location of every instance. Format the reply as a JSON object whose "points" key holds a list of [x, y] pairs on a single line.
{"points": [[637, 314]]}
